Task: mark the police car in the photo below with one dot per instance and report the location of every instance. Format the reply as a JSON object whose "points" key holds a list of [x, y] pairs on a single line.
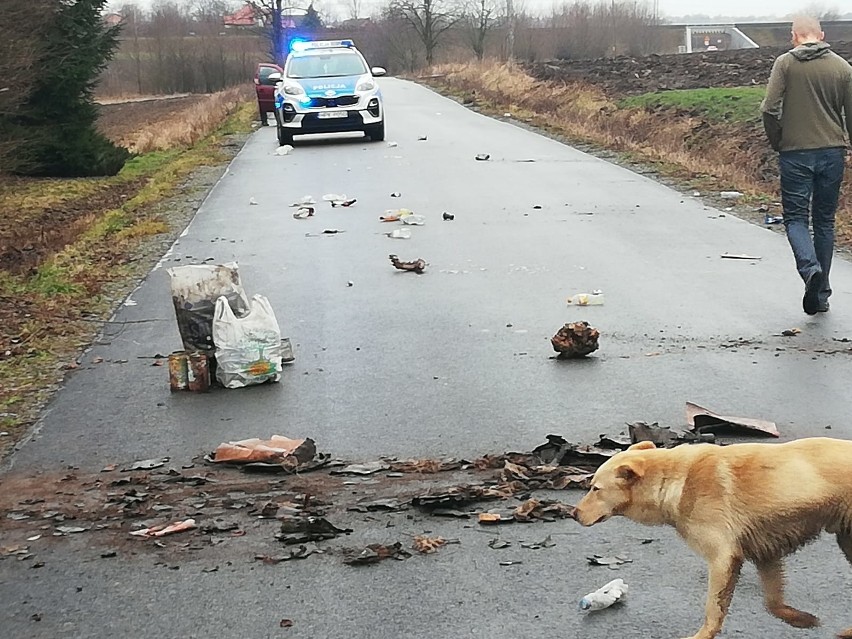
{"points": [[327, 87]]}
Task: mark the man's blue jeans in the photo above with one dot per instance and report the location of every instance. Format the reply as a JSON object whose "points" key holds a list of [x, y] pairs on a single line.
{"points": [[810, 183]]}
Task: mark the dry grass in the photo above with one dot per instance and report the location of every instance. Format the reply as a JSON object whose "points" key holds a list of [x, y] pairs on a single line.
{"points": [[721, 155], [185, 128], [46, 310]]}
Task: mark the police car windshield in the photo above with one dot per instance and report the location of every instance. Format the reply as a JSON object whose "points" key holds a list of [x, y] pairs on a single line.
{"points": [[326, 66]]}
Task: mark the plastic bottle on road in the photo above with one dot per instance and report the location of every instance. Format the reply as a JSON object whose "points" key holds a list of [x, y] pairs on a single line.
{"points": [[604, 597]]}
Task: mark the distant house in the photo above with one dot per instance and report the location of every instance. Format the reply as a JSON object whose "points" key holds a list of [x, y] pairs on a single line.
{"points": [[113, 19], [355, 24], [250, 16]]}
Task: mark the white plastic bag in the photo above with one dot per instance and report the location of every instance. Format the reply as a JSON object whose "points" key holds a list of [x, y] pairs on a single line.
{"points": [[248, 349], [195, 289]]}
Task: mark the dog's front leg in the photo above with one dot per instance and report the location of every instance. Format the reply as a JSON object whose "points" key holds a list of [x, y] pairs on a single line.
{"points": [[724, 572]]}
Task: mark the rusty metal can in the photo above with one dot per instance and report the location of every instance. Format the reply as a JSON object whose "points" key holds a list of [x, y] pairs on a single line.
{"points": [[287, 355], [198, 372], [178, 371]]}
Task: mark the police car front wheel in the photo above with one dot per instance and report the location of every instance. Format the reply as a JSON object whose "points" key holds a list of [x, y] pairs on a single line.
{"points": [[376, 132], [284, 136]]}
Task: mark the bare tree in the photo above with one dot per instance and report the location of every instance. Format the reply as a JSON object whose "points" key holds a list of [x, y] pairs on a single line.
{"points": [[132, 18], [821, 12], [430, 19], [272, 11], [481, 16], [354, 8]]}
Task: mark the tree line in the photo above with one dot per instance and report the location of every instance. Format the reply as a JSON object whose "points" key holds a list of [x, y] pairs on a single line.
{"points": [[56, 54], [183, 46]]}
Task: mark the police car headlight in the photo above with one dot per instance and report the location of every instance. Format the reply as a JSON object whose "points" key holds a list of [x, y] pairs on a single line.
{"points": [[366, 85], [293, 89]]}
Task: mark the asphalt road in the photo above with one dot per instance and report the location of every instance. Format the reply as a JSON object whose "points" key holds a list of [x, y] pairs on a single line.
{"points": [[455, 362]]}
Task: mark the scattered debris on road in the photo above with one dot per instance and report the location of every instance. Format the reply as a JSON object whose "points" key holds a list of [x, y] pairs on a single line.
{"points": [[252, 202], [396, 194], [448, 216], [304, 212], [595, 298], [69, 530], [413, 220], [739, 256], [791, 332], [399, 234], [166, 529], [575, 339], [362, 469], [426, 545], [604, 597], [612, 562], [416, 266], [338, 200], [547, 542], [483, 157], [275, 450], [284, 150], [395, 215], [730, 195], [703, 420], [374, 553], [422, 138], [302, 551], [299, 530], [663, 436], [499, 544], [145, 464]]}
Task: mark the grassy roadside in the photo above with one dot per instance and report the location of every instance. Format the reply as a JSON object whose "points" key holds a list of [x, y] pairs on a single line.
{"points": [[710, 140], [54, 297]]}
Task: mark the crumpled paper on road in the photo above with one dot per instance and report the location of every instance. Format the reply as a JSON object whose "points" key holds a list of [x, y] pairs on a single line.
{"points": [[276, 450]]}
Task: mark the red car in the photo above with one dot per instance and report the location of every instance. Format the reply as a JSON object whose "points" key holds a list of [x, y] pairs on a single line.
{"points": [[265, 89]]}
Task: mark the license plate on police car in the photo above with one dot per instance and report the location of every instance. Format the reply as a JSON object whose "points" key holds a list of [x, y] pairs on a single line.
{"points": [[329, 115]]}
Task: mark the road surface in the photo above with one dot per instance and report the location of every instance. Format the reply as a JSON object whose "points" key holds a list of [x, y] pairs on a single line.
{"points": [[456, 362]]}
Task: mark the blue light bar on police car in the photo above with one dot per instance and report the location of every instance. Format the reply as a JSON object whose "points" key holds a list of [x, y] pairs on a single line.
{"points": [[304, 45]]}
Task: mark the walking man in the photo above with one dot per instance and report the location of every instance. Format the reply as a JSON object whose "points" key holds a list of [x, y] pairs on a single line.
{"points": [[809, 92]]}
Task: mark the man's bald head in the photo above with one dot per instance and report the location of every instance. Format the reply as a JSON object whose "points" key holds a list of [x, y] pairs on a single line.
{"points": [[806, 29]]}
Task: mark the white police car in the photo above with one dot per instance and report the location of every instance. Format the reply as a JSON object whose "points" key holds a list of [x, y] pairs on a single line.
{"points": [[327, 87]]}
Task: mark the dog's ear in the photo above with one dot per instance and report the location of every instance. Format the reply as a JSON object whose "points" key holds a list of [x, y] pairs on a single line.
{"points": [[631, 472], [642, 446]]}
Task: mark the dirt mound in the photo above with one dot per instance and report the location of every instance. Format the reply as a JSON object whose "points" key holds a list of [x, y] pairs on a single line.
{"points": [[625, 76]]}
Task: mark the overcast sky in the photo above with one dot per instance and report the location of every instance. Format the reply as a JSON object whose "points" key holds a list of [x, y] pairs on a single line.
{"points": [[668, 8], [738, 7]]}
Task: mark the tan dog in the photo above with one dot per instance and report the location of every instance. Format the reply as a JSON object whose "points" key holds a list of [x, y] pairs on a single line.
{"points": [[744, 502]]}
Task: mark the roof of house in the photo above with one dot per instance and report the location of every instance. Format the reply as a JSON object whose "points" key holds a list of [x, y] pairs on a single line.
{"points": [[245, 17]]}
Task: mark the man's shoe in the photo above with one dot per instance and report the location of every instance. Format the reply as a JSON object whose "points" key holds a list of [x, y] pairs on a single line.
{"points": [[823, 307], [810, 302]]}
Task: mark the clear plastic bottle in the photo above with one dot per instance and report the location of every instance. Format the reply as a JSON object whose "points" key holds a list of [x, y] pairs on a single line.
{"points": [[604, 597], [587, 299], [400, 234]]}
